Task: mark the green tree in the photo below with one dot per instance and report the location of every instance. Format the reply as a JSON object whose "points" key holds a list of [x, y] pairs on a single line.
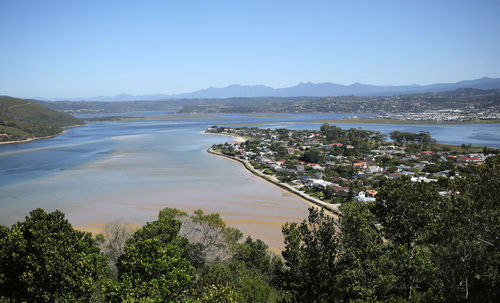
{"points": [[310, 254], [467, 246], [408, 213], [155, 265], [362, 256], [216, 294], [151, 270], [43, 259], [248, 285], [255, 255]]}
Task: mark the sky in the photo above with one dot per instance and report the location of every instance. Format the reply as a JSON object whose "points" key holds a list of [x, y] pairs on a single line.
{"points": [[59, 49]]}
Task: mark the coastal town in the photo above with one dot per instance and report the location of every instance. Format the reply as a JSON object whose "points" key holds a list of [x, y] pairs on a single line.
{"points": [[333, 165], [455, 115]]}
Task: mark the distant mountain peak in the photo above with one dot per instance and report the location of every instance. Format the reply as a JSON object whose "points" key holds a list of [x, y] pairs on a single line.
{"points": [[306, 89]]}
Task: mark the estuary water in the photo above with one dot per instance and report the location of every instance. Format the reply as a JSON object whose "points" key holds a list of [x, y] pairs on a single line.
{"points": [[129, 170]]}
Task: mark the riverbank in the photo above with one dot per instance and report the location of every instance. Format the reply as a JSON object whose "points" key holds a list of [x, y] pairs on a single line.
{"points": [[396, 121], [236, 139], [374, 121], [64, 130], [333, 208], [34, 138]]}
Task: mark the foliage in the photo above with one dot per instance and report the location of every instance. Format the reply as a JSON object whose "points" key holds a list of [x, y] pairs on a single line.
{"points": [[424, 139], [43, 259], [407, 211], [247, 285], [216, 294], [21, 119], [467, 245], [153, 270], [362, 255], [310, 252]]}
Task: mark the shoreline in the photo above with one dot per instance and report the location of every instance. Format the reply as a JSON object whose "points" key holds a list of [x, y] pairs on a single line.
{"points": [[33, 139], [41, 138], [375, 121], [237, 139], [402, 122], [332, 208]]}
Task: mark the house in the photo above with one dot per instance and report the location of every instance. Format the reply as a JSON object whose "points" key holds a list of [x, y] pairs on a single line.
{"points": [[340, 191], [374, 169], [264, 160], [319, 175], [361, 197], [469, 159], [407, 173], [316, 166], [425, 179], [303, 179], [318, 183], [402, 167], [443, 173], [276, 167], [359, 165], [394, 176]]}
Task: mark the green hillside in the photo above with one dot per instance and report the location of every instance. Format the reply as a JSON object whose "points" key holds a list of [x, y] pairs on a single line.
{"points": [[22, 119]]}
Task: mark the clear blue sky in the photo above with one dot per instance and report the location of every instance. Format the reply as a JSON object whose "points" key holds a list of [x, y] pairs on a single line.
{"points": [[89, 48]]}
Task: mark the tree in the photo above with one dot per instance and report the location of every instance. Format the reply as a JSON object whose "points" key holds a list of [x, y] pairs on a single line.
{"points": [[247, 285], [311, 156], [115, 235], [216, 294], [467, 246], [310, 253], [151, 270], [407, 211], [43, 259], [209, 236], [155, 265], [362, 256]]}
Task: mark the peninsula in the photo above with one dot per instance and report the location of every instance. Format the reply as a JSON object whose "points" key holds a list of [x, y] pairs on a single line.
{"points": [[332, 166]]}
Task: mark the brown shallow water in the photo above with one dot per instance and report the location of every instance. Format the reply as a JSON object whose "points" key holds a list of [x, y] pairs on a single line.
{"points": [[257, 208]]}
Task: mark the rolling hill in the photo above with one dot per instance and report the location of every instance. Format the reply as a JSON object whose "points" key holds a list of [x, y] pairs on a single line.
{"points": [[22, 119]]}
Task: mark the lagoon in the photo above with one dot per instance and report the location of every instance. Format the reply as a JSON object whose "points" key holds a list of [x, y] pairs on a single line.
{"points": [[129, 170]]}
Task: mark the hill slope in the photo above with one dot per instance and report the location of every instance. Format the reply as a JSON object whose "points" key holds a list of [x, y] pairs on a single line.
{"points": [[22, 119]]}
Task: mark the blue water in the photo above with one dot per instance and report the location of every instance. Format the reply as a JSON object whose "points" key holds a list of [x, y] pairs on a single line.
{"points": [[128, 170]]}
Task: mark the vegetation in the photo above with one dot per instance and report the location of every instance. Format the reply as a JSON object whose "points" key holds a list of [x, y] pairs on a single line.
{"points": [[470, 100], [22, 119], [464, 99], [411, 245]]}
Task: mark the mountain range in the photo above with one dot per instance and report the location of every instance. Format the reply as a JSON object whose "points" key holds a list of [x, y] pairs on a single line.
{"points": [[302, 90]]}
